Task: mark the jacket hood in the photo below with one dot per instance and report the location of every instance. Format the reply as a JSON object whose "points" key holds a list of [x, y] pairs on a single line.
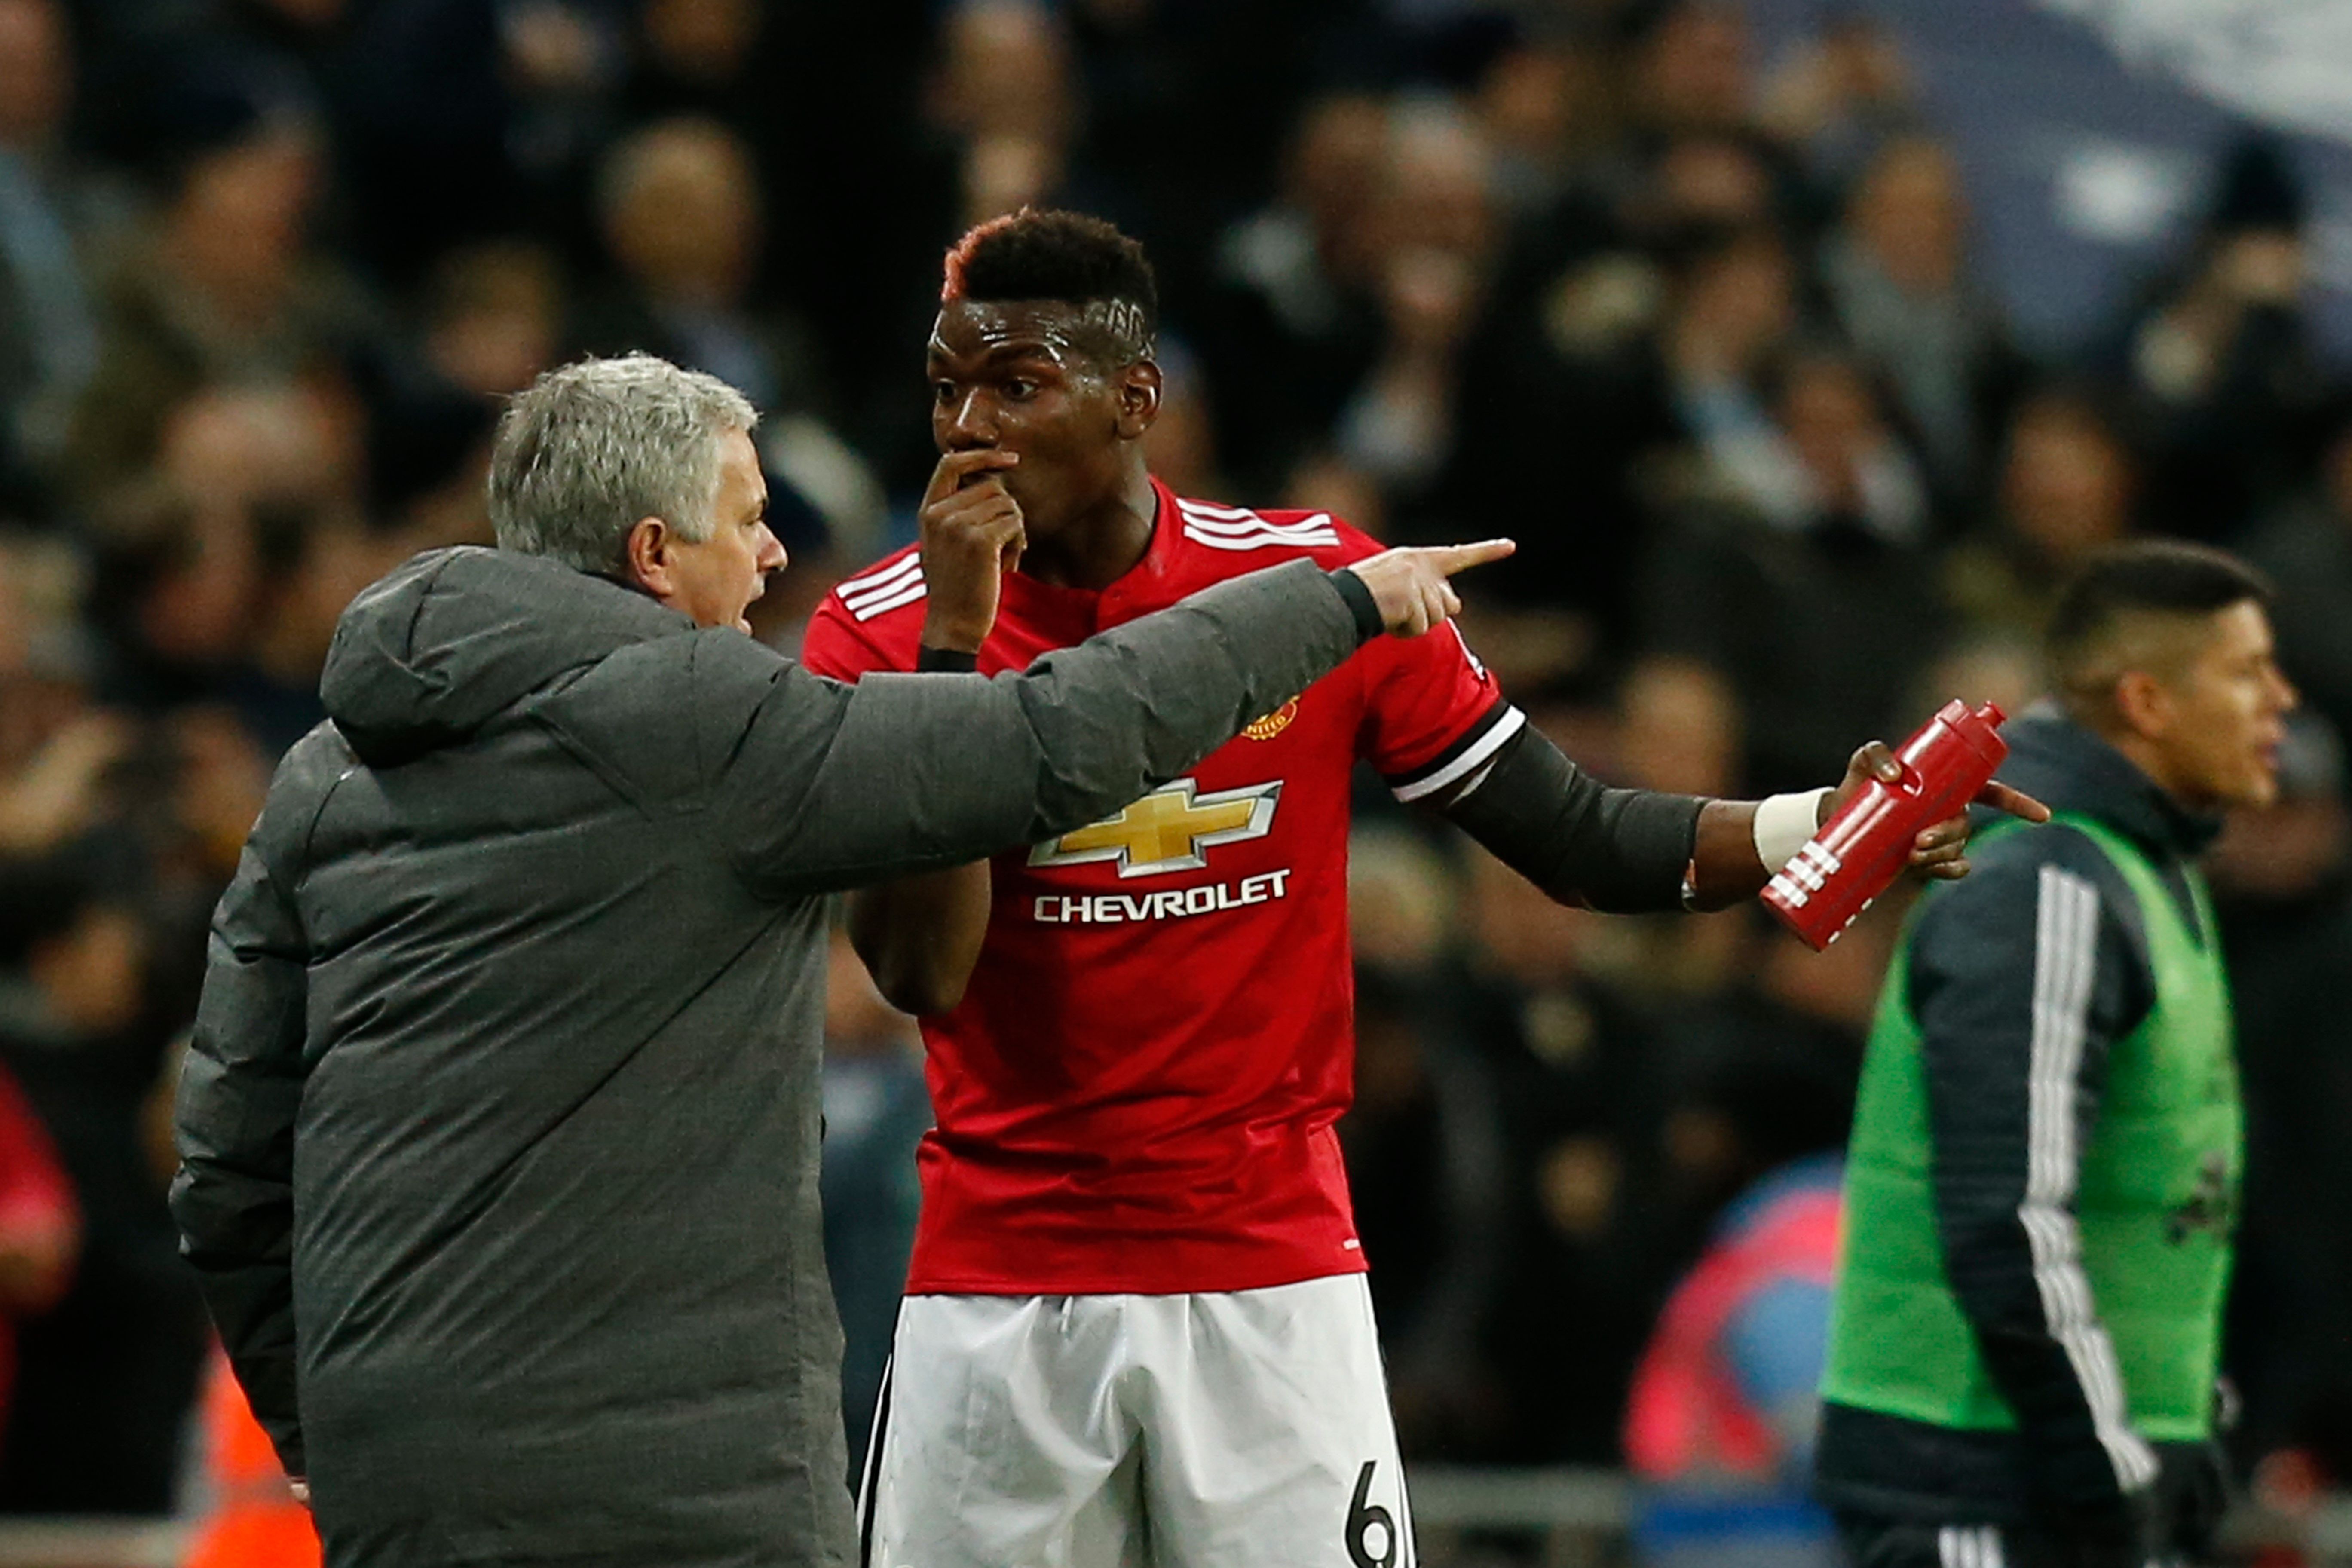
{"points": [[2068, 768], [430, 654]]}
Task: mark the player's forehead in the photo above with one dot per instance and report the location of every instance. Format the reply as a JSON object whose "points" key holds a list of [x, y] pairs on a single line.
{"points": [[972, 332], [2240, 632]]}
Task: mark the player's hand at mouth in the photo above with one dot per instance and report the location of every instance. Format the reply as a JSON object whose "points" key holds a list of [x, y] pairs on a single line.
{"points": [[972, 534], [1409, 585]]}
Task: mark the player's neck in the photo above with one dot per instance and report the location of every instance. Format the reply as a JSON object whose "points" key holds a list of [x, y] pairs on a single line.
{"points": [[1100, 545]]}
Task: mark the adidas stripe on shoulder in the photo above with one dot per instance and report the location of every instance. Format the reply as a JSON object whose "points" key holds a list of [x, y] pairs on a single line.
{"points": [[1237, 528], [900, 583]]}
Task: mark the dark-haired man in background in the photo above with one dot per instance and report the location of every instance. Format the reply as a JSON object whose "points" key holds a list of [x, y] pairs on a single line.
{"points": [[1136, 1320], [2046, 1150]]}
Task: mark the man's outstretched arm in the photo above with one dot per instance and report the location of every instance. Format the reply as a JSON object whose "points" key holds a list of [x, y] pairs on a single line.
{"points": [[919, 937], [824, 787], [1626, 851]]}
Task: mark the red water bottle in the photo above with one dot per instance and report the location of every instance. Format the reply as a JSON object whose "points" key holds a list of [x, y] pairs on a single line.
{"points": [[1864, 845]]}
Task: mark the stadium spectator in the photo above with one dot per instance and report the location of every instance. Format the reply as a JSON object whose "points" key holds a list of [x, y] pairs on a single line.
{"points": [[48, 328], [40, 1225], [1724, 1406], [1428, 1159], [1434, 232], [2224, 387], [1005, 92], [1577, 1074], [2066, 489], [1897, 279], [2282, 884], [1293, 325], [224, 290], [103, 1381], [2307, 548], [679, 203], [1803, 579]]}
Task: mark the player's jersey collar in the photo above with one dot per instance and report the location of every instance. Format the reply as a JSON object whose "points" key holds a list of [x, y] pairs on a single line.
{"points": [[1159, 555]]}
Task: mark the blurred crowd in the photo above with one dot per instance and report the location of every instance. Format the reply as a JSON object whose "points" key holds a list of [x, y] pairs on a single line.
{"points": [[1702, 330]]}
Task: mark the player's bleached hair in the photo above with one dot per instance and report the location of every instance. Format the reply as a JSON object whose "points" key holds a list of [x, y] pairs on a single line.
{"points": [[590, 447]]}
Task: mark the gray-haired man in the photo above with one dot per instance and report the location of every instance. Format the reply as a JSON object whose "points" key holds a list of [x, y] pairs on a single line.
{"points": [[500, 1130]]}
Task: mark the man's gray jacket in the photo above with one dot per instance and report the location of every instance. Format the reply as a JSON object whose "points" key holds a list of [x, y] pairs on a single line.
{"points": [[499, 1128]]}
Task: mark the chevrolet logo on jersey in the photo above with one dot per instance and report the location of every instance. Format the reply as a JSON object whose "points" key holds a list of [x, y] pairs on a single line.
{"points": [[1167, 830]]}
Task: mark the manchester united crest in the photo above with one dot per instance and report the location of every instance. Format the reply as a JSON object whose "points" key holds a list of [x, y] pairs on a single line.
{"points": [[1273, 723]]}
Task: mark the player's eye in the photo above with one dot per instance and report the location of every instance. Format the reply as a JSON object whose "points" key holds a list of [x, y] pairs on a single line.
{"points": [[943, 392], [1019, 389]]}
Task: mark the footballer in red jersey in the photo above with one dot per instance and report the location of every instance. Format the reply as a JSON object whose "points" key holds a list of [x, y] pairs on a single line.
{"points": [[1136, 1310]]}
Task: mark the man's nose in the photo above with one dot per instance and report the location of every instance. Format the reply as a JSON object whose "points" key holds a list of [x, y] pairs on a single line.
{"points": [[970, 423], [772, 556]]}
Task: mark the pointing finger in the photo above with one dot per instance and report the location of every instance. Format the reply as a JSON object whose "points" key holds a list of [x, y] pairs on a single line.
{"points": [[2017, 803], [1448, 559]]}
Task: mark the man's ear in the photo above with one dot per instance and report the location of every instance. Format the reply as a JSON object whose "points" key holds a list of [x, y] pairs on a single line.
{"points": [[2144, 704], [1140, 387], [648, 553]]}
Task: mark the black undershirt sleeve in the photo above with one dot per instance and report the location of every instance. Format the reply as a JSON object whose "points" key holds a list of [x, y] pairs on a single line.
{"points": [[1360, 604], [1621, 850]]}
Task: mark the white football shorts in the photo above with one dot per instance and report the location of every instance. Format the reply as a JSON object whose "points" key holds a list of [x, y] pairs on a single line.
{"points": [[1248, 1429]]}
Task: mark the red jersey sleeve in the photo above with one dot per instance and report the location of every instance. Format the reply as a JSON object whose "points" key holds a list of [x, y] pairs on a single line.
{"points": [[838, 647], [1432, 714]]}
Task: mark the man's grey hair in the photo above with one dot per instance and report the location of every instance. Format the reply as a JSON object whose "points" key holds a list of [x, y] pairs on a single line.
{"points": [[589, 449]]}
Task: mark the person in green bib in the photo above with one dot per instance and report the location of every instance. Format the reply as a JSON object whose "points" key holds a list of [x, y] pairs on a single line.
{"points": [[2043, 1180]]}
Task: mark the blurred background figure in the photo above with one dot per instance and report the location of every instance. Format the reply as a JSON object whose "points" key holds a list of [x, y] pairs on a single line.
{"points": [[876, 1110], [2218, 366], [243, 1514], [49, 326], [40, 1223], [2065, 487], [1726, 1402]]}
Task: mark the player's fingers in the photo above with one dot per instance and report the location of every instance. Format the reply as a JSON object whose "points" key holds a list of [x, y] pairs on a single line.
{"points": [[1949, 871], [1949, 834], [981, 514], [1873, 760], [1448, 559], [984, 495], [1437, 604], [2015, 802], [955, 467], [999, 527]]}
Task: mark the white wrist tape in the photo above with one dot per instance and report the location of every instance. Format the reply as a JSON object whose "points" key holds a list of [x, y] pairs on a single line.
{"points": [[1784, 823]]}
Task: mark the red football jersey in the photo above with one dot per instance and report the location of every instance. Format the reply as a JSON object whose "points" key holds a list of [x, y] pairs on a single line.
{"points": [[1138, 1091]]}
